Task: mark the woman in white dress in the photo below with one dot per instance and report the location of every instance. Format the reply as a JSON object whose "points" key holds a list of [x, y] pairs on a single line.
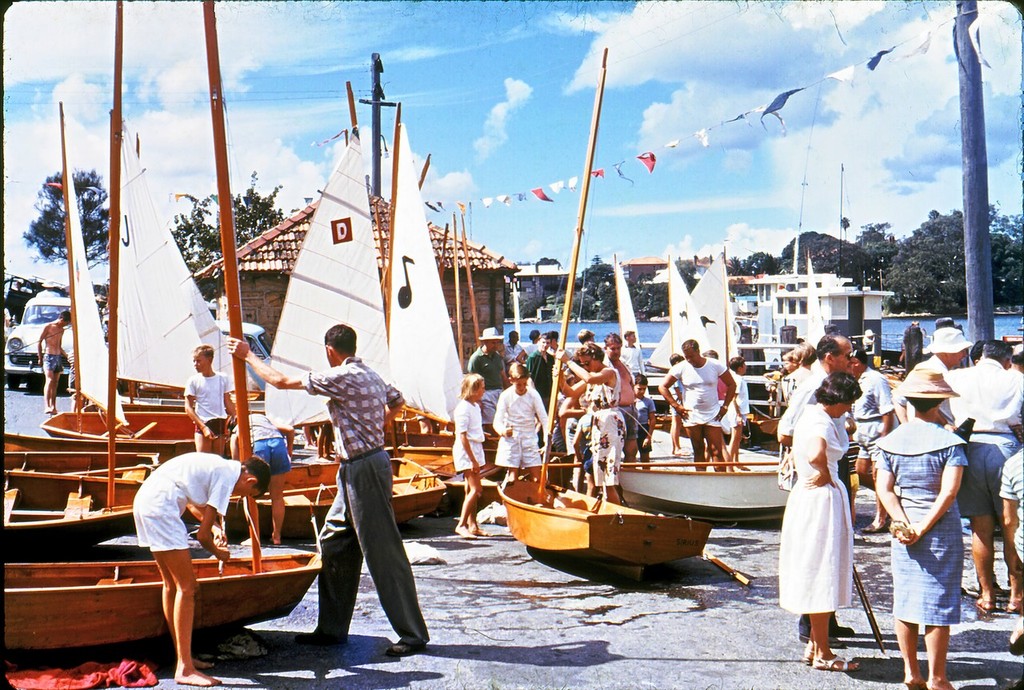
{"points": [[816, 550]]}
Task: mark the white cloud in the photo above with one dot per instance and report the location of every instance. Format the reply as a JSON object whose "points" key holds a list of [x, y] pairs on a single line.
{"points": [[517, 93]]}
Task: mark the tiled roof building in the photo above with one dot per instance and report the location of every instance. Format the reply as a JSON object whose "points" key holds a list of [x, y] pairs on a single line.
{"points": [[265, 264]]}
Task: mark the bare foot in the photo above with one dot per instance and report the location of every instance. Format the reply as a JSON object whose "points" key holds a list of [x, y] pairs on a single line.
{"points": [[479, 532], [196, 678], [465, 532], [201, 665]]}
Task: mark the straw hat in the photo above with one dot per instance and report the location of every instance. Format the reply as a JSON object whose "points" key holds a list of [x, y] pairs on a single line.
{"points": [[948, 341], [868, 333], [925, 383], [491, 333]]}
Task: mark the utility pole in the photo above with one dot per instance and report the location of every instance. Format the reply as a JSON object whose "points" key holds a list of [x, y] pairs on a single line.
{"points": [[842, 175], [977, 243], [376, 67]]}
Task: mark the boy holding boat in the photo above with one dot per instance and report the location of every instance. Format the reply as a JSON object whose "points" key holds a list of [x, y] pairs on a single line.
{"points": [[203, 484]]}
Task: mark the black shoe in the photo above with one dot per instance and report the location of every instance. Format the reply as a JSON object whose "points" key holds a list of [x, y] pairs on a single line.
{"points": [[832, 641], [836, 630], [319, 639], [405, 649]]}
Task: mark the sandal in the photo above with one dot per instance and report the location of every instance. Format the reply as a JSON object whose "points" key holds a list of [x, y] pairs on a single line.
{"points": [[985, 605], [835, 664], [808, 657]]}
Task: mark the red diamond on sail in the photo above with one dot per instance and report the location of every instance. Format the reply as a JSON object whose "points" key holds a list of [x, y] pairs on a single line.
{"points": [[341, 230]]}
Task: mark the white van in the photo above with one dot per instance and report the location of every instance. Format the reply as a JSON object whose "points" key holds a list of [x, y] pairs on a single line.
{"points": [[259, 343], [21, 350]]}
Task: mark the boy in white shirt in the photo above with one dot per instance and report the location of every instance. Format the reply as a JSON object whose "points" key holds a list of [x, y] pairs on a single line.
{"points": [[208, 402], [518, 412]]}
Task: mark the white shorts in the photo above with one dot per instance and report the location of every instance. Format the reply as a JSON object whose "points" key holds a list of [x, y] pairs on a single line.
{"points": [[158, 522], [461, 458], [696, 418], [519, 451]]}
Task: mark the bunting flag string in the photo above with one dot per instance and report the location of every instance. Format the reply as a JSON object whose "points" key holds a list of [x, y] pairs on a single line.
{"points": [[702, 137]]}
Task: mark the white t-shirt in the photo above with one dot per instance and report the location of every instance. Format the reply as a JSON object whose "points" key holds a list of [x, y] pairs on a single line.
{"points": [[700, 388], [468, 419], [202, 479], [520, 412], [209, 392]]}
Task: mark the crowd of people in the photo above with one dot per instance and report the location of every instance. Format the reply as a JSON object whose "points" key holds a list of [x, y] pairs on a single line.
{"points": [[945, 444]]}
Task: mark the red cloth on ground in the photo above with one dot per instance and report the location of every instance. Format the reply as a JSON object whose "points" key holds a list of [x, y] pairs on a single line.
{"points": [[131, 674]]}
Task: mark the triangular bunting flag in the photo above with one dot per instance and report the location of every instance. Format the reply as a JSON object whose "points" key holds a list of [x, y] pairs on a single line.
{"points": [[844, 75], [873, 62], [648, 160], [521, 196], [433, 206], [672, 144], [702, 137], [462, 207], [55, 185], [926, 42], [573, 181], [539, 193], [556, 187], [487, 201], [597, 173], [618, 169]]}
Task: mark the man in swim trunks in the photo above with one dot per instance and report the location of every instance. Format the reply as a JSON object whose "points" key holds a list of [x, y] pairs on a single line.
{"points": [[50, 339]]}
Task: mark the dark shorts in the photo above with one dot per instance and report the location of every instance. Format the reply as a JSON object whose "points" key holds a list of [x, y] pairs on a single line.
{"points": [[643, 432], [628, 413], [218, 426], [275, 452], [52, 363]]}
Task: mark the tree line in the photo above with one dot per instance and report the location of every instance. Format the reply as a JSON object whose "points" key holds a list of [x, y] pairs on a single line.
{"points": [[925, 269]]}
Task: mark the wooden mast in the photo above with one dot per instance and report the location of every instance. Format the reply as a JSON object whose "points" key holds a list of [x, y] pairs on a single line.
{"points": [[426, 167], [395, 152], [227, 243], [68, 192], [469, 282], [114, 244], [458, 290], [574, 261]]}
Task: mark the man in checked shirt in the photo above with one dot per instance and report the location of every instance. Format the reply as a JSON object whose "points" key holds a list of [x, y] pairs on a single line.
{"points": [[361, 521]]}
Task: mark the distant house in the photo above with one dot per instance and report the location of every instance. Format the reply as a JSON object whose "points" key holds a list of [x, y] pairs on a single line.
{"points": [[540, 280], [648, 266], [265, 266]]}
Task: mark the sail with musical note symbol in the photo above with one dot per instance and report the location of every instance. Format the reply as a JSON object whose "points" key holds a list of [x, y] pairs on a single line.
{"points": [[335, 280], [424, 361]]}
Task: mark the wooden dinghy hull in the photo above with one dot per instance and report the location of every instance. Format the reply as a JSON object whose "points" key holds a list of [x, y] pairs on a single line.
{"points": [[76, 462], [67, 605], [575, 525], [708, 495], [165, 450], [157, 426], [310, 491], [42, 520]]}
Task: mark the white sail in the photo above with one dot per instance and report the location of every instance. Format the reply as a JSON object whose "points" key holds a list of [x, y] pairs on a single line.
{"points": [[711, 295], [627, 319], [424, 360], [516, 316], [815, 322], [684, 320], [161, 315], [335, 280], [92, 354]]}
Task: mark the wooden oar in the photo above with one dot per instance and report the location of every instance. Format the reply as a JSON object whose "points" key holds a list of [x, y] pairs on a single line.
{"points": [[867, 609], [728, 570]]}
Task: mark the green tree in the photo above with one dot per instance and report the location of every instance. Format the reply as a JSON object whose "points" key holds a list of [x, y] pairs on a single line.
{"points": [[880, 248], [595, 298], [825, 255], [928, 274], [649, 299], [1007, 233], [760, 263], [46, 233], [197, 233]]}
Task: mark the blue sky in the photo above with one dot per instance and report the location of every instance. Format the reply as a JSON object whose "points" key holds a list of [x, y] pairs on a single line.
{"points": [[500, 94]]}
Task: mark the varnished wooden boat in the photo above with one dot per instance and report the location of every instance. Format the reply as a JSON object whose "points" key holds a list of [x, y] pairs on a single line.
{"points": [[49, 514], [157, 426], [310, 490], [164, 450], [77, 462], [65, 605], [710, 495], [573, 524]]}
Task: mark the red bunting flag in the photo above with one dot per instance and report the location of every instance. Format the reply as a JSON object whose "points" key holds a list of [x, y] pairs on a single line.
{"points": [[55, 185], [539, 193], [648, 159], [598, 173]]}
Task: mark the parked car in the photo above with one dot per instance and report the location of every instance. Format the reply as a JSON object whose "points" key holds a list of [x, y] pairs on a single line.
{"points": [[21, 350], [259, 343]]}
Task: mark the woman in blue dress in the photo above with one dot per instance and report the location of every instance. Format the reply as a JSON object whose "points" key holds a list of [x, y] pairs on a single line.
{"points": [[926, 462]]}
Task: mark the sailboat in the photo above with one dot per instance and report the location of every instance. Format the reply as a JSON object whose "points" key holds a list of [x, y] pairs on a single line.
{"points": [[627, 318], [568, 523], [815, 323], [37, 596], [684, 320]]}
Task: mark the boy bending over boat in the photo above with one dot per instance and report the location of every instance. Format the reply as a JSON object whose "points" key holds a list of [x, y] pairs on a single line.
{"points": [[202, 483]]}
